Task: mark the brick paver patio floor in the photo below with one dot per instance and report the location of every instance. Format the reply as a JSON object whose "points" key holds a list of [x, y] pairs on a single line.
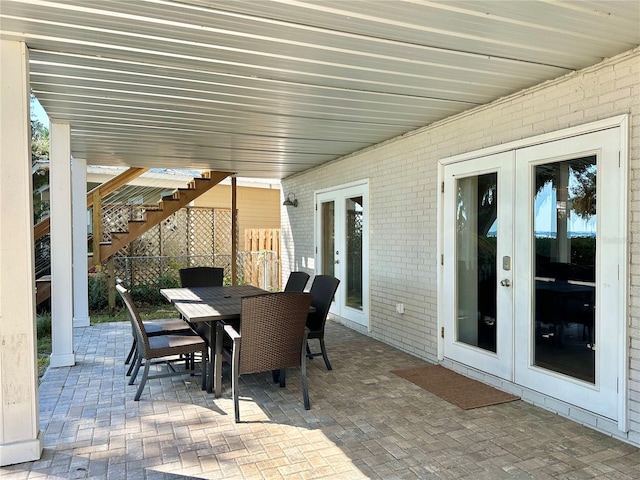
{"points": [[364, 422]]}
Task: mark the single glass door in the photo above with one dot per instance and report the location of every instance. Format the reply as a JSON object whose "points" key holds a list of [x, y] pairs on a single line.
{"points": [[328, 240], [342, 248], [568, 252], [477, 263], [564, 267]]}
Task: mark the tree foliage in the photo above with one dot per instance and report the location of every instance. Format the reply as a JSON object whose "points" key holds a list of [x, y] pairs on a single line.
{"points": [[39, 142], [583, 192], [39, 153]]}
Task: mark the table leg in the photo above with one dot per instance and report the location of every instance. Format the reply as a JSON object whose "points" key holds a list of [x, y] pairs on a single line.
{"points": [[217, 376], [211, 340], [214, 368]]}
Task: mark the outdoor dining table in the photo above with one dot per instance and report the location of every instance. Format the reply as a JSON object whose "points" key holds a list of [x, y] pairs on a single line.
{"points": [[204, 306]]}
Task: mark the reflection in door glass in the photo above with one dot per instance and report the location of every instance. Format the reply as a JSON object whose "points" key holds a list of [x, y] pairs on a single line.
{"points": [[476, 236], [353, 228], [564, 224], [328, 238]]}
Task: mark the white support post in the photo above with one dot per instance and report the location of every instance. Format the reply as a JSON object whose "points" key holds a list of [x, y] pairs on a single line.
{"points": [[80, 251], [20, 436], [61, 247]]}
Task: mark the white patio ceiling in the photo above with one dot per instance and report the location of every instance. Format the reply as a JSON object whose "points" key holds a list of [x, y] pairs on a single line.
{"points": [[269, 88]]}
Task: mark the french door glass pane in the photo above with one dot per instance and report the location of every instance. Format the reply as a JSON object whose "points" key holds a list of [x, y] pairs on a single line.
{"points": [[564, 221], [328, 238], [353, 218], [476, 243]]}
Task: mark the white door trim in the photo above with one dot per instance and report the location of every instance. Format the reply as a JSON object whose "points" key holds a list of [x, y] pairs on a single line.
{"points": [[617, 121], [344, 186], [602, 396], [358, 318], [500, 362]]}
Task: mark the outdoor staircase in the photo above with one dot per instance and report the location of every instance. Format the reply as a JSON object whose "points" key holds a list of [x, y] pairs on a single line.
{"points": [[166, 207]]}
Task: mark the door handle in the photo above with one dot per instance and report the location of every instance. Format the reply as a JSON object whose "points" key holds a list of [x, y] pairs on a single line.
{"points": [[337, 261], [505, 283]]}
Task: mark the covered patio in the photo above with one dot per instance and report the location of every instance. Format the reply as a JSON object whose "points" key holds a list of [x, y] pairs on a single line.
{"points": [[364, 422], [356, 102]]}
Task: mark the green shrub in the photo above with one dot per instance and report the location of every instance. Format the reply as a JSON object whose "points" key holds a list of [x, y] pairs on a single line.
{"points": [[43, 332], [98, 292], [43, 325], [149, 293], [143, 294], [583, 249]]}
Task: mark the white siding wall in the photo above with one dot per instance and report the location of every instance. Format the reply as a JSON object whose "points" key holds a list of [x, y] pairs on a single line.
{"points": [[403, 181]]}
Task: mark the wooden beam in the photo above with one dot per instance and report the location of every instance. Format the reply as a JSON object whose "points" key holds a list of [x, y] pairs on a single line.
{"points": [[97, 226], [234, 233], [41, 229]]}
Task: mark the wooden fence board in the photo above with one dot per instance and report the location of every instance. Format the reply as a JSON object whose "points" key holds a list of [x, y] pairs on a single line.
{"points": [[258, 240]]}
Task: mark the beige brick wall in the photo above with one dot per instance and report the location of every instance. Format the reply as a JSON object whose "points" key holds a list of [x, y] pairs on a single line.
{"points": [[403, 195]]}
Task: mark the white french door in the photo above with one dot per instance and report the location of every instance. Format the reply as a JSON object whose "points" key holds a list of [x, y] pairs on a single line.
{"points": [[569, 322], [478, 247], [533, 244], [342, 248]]}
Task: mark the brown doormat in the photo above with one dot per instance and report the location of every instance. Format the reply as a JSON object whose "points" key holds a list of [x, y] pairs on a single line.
{"points": [[464, 392]]}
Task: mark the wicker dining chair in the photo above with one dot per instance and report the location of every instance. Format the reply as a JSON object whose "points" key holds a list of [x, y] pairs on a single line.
{"points": [[161, 347], [169, 326], [296, 282], [272, 338], [323, 289], [194, 277], [155, 328], [201, 277]]}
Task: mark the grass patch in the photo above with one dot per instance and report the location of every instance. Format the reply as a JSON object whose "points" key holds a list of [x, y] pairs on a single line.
{"points": [[43, 330], [152, 312]]}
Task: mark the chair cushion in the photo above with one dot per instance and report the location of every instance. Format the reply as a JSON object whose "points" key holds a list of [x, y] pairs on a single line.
{"points": [[165, 345], [161, 327]]}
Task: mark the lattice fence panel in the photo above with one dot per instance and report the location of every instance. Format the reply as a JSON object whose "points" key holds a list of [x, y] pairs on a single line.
{"points": [[173, 234], [222, 231], [222, 241], [115, 218], [193, 236], [147, 245], [200, 235]]}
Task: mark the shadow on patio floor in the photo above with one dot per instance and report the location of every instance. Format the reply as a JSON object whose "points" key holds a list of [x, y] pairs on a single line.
{"points": [[364, 422]]}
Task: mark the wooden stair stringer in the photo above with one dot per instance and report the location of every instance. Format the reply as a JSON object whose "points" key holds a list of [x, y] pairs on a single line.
{"points": [[43, 289], [168, 206]]}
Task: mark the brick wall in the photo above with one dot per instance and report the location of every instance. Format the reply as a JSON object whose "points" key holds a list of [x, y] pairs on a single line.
{"points": [[403, 176]]}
